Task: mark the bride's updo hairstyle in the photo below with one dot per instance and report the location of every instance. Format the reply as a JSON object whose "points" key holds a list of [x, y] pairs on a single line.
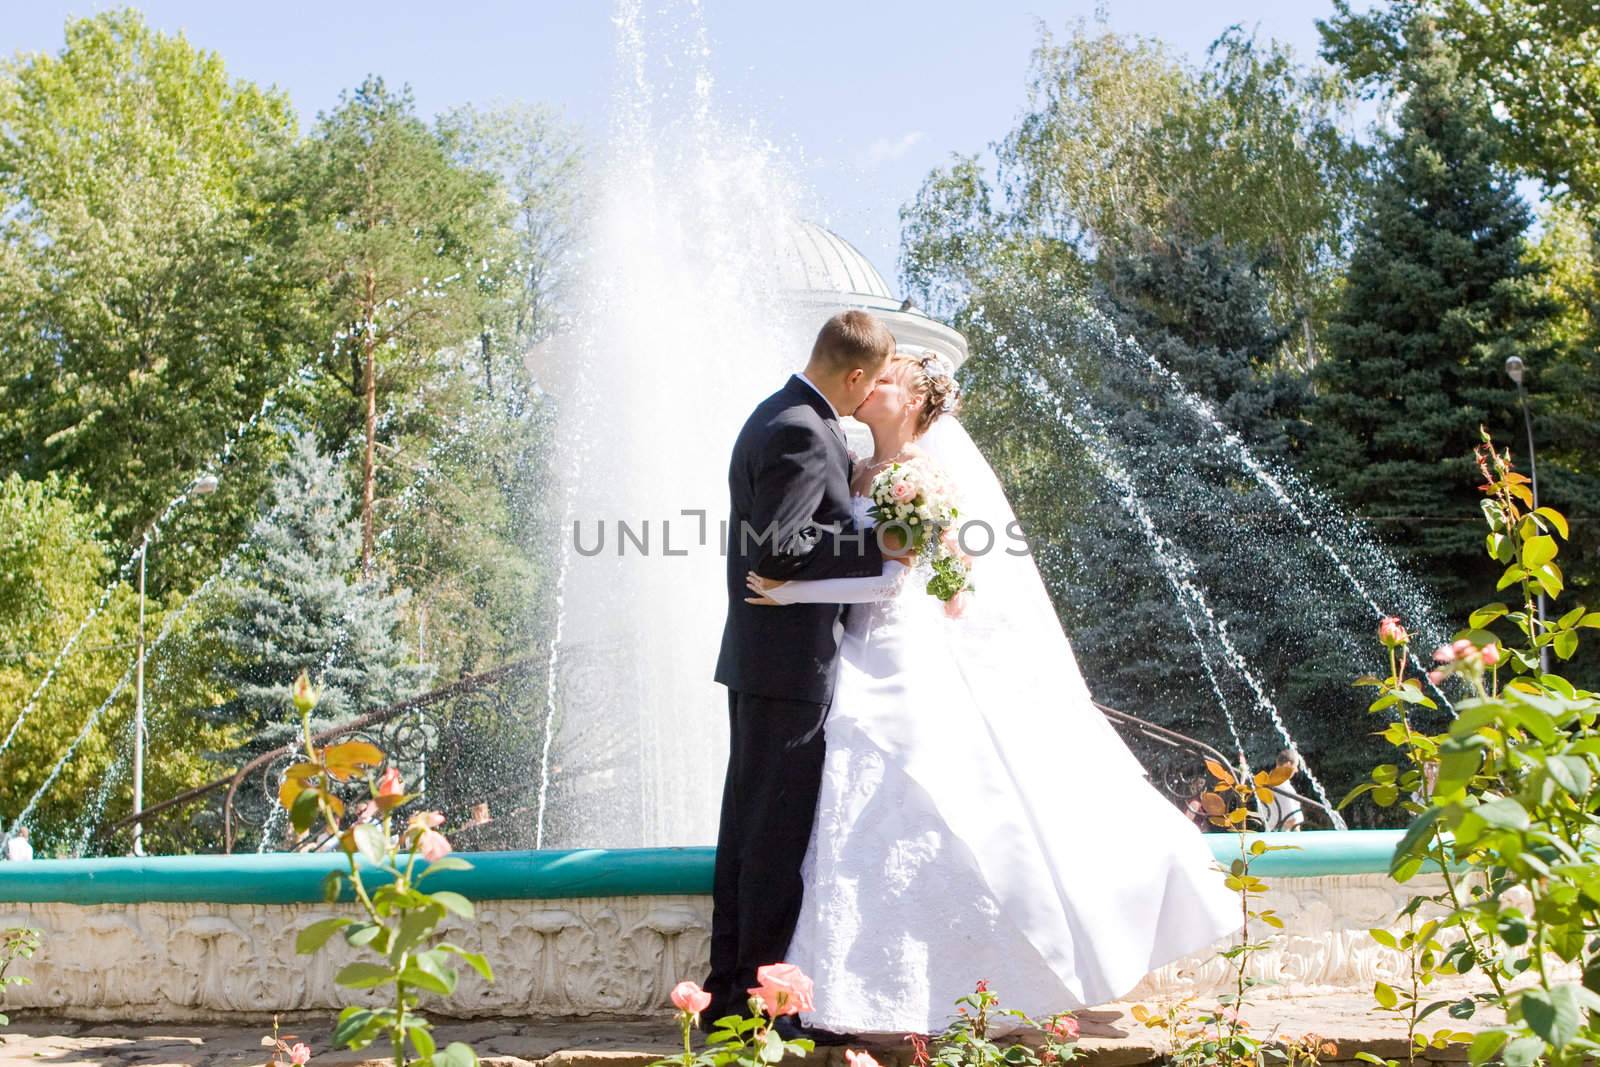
{"points": [[932, 377]]}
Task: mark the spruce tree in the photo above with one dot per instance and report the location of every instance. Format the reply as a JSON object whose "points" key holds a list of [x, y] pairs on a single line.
{"points": [[300, 603], [1439, 294]]}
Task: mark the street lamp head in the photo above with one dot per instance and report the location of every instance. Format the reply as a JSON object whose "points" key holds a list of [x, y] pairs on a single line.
{"points": [[1515, 368], [206, 484]]}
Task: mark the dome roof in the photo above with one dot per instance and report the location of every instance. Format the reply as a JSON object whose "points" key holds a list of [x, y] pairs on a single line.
{"points": [[824, 262], [826, 274]]}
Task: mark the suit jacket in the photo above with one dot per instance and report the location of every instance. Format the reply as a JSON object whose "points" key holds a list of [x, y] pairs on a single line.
{"points": [[789, 487]]}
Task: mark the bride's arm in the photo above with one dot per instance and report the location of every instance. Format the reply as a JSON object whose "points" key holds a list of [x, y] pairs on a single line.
{"points": [[885, 586]]}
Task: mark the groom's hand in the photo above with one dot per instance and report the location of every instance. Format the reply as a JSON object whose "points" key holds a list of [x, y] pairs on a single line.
{"points": [[896, 544]]}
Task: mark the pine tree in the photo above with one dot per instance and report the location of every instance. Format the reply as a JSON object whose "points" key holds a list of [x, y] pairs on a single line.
{"points": [[1200, 309], [1439, 294], [299, 603]]}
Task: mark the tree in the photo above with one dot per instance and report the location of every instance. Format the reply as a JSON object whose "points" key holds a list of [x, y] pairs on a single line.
{"points": [[294, 606], [1566, 414], [373, 207], [54, 570], [139, 324], [1440, 293], [1120, 141], [536, 158], [1533, 61]]}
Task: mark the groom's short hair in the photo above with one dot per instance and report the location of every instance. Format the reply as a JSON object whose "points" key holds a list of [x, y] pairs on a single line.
{"points": [[852, 339]]}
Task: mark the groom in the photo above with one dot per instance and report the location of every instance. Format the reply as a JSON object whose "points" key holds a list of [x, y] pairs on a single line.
{"points": [[790, 486]]}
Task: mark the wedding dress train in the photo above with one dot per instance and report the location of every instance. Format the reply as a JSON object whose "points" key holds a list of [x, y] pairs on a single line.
{"points": [[979, 818]]}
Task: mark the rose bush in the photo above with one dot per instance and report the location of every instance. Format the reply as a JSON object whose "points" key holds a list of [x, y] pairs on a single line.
{"points": [[401, 918], [1503, 805]]}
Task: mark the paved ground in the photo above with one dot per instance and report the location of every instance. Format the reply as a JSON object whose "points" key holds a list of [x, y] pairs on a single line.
{"points": [[1110, 1039]]}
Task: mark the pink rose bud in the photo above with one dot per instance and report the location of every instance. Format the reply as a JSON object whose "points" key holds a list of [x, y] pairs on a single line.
{"points": [[299, 1054], [784, 989], [426, 820], [432, 845], [390, 784], [1444, 654], [859, 1059], [688, 997], [1436, 677], [1463, 648], [1491, 655], [903, 491], [1391, 633], [1065, 1028]]}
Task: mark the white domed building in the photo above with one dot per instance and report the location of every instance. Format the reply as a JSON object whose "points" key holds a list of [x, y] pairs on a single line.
{"points": [[826, 273]]}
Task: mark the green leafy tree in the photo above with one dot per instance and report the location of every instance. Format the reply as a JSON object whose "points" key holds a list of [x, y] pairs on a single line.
{"points": [[1534, 62], [1440, 293], [54, 575], [1566, 416], [1119, 141], [295, 607], [537, 160], [140, 322], [372, 206], [1201, 212], [52, 569]]}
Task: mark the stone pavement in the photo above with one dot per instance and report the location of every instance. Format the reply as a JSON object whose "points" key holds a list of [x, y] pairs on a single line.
{"points": [[1110, 1039]]}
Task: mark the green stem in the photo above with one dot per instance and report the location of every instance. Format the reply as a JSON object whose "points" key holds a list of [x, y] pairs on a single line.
{"points": [[1244, 932], [398, 1035], [1491, 967], [1416, 995], [1538, 940]]}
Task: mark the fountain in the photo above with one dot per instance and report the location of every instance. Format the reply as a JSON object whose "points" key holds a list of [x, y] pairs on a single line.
{"points": [[701, 292]]}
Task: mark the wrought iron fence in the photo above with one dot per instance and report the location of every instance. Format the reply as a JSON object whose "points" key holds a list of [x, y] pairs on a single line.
{"points": [[467, 748]]}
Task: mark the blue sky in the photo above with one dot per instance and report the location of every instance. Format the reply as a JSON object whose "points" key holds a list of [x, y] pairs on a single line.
{"points": [[867, 95]]}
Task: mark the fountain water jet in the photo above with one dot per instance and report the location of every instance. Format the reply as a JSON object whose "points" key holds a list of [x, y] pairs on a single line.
{"points": [[681, 329]]}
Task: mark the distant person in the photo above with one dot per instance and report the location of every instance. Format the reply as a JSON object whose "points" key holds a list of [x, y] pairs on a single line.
{"points": [[18, 847], [1284, 810]]}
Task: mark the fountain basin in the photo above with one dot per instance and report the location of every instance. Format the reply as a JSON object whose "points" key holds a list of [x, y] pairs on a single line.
{"points": [[586, 932]]}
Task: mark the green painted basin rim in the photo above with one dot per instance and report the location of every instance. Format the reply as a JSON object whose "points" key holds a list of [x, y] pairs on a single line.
{"points": [[293, 878]]}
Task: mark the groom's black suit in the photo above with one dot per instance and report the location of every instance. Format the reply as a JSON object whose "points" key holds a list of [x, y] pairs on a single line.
{"points": [[789, 482]]}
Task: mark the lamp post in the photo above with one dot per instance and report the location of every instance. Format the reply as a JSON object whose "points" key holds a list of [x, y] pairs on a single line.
{"points": [[1516, 370], [204, 485]]}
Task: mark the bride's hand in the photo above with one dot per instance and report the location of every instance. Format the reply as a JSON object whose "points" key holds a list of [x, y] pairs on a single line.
{"points": [[759, 586]]}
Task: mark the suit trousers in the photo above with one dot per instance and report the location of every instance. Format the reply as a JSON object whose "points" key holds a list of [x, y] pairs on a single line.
{"points": [[769, 800]]}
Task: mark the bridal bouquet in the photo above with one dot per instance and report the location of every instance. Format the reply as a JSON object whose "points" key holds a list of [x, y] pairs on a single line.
{"points": [[915, 497]]}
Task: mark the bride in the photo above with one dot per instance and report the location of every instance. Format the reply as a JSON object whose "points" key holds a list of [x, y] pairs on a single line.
{"points": [[979, 818]]}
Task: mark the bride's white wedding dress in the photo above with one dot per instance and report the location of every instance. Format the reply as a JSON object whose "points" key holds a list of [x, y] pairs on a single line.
{"points": [[979, 818]]}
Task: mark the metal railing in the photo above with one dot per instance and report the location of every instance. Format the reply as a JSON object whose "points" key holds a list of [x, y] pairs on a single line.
{"points": [[1176, 763], [416, 731]]}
